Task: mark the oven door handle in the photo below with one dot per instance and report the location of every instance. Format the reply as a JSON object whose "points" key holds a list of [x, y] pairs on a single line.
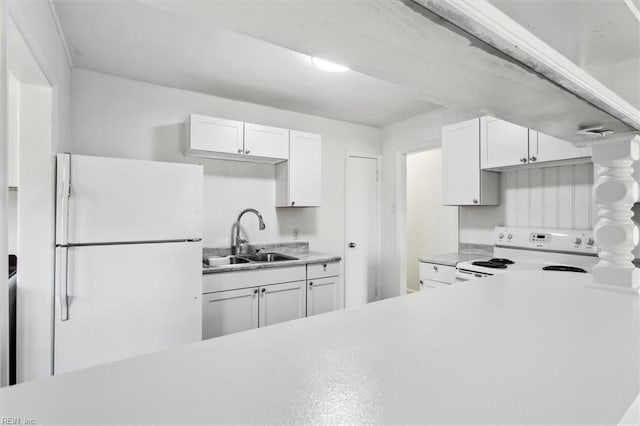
{"points": [[463, 275]]}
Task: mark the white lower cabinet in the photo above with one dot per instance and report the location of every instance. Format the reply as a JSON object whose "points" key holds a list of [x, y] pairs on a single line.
{"points": [[246, 299], [227, 312], [281, 302], [322, 295], [433, 275]]}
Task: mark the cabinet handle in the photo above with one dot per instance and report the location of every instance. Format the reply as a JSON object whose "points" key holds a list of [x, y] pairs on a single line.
{"points": [[475, 201], [352, 245], [247, 151], [240, 151], [435, 268], [263, 290], [523, 160], [293, 203], [310, 284], [255, 291], [533, 159], [421, 282], [324, 266]]}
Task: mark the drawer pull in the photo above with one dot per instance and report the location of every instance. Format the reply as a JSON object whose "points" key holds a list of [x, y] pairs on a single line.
{"points": [[435, 268]]}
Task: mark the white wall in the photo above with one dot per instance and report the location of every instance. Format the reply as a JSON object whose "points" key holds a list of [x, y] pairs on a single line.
{"points": [[118, 117], [552, 197], [412, 135], [36, 24], [431, 227]]}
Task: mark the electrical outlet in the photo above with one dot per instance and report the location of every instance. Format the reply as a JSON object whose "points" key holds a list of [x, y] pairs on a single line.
{"points": [[296, 233]]}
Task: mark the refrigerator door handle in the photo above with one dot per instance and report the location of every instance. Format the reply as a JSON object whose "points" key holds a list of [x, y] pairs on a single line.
{"points": [[62, 281], [64, 191]]}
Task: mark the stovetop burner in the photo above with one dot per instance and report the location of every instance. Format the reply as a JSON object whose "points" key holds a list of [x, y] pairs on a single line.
{"points": [[489, 264], [563, 268], [502, 260]]}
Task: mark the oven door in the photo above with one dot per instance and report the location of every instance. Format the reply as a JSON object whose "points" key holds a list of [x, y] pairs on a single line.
{"points": [[463, 275]]}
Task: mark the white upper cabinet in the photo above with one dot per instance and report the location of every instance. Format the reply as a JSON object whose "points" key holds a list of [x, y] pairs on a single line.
{"points": [[210, 135], [235, 140], [506, 145], [265, 141], [299, 181], [463, 181], [502, 143], [547, 148]]}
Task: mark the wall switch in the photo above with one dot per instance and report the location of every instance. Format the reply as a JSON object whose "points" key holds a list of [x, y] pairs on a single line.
{"points": [[296, 233]]}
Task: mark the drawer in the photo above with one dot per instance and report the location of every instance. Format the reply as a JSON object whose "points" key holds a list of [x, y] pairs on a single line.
{"points": [[320, 270], [252, 278], [435, 272], [426, 284]]}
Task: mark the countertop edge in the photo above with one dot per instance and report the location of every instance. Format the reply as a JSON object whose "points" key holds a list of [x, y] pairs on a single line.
{"points": [[311, 259]]}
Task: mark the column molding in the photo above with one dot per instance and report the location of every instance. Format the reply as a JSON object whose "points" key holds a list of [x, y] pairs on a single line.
{"points": [[615, 191]]}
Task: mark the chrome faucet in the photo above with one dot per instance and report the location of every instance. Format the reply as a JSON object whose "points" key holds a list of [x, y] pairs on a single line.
{"points": [[237, 246]]}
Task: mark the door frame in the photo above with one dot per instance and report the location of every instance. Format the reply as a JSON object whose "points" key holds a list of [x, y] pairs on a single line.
{"points": [[378, 159], [4, 194], [401, 206]]}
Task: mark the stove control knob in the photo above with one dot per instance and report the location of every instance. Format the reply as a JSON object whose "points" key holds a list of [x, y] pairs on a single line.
{"points": [[510, 236], [501, 236], [590, 241], [577, 241]]}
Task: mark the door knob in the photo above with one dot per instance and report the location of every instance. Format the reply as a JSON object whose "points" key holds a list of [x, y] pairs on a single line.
{"points": [[352, 245]]}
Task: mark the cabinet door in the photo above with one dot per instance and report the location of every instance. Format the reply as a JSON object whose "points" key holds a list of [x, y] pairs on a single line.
{"points": [[547, 148], [322, 295], [228, 312], [282, 302], [265, 141], [502, 143], [215, 134], [305, 169], [461, 163]]}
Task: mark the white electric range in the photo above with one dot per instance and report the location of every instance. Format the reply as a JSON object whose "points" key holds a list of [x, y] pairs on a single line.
{"points": [[533, 249]]}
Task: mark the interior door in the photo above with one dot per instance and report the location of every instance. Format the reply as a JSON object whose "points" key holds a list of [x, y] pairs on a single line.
{"points": [[118, 301], [282, 302], [361, 231], [227, 312], [118, 200]]}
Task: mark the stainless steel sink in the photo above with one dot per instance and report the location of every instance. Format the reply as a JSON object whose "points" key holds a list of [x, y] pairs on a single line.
{"points": [[268, 257], [234, 260]]}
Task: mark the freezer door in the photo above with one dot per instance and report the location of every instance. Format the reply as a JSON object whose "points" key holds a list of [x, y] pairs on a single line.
{"points": [[126, 300], [102, 200]]}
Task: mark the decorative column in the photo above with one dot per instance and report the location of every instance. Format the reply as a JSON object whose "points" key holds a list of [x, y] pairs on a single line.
{"points": [[615, 191]]}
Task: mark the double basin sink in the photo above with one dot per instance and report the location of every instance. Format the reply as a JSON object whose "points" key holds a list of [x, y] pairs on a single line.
{"points": [[258, 258]]}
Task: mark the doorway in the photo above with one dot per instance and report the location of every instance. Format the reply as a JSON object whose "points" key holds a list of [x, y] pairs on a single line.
{"points": [[362, 230], [31, 211], [431, 228]]}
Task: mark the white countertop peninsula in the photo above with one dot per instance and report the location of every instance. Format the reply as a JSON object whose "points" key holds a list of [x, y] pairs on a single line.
{"points": [[535, 348]]}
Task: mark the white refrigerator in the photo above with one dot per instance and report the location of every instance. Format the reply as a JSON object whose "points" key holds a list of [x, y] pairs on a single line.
{"points": [[128, 276]]}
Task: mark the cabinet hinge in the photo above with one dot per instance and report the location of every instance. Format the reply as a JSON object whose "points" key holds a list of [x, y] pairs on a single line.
{"points": [[377, 175]]}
